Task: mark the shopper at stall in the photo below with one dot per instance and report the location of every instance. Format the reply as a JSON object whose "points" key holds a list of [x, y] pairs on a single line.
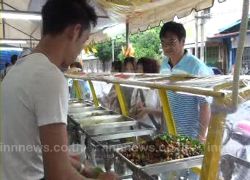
{"points": [[35, 134], [13, 59], [8, 66], [111, 100], [145, 103], [191, 113], [84, 87], [4, 70], [116, 66], [129, 67], [129, 64], [147, 65]]}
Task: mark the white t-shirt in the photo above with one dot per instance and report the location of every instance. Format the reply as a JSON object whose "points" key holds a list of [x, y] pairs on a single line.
{"points": [[151, 101], [35, 93]]}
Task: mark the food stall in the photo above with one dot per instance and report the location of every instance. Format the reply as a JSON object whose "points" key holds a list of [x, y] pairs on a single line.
{"points": [[121, 126], [217, 87]]}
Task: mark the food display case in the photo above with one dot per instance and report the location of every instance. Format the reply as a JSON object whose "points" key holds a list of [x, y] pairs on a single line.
{"points": [[219, 88], [103, 125], [102, 130]]}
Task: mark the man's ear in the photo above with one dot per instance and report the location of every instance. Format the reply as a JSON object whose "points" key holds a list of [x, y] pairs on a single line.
{"points": [[183, 40], [73, 32]]}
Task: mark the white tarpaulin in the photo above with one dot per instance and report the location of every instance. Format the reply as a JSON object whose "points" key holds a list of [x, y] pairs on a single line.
{"points": [[139, 14], [144, 13]]}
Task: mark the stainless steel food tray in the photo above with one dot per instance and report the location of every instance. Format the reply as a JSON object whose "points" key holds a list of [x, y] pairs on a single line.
{"points": [[75, 110], [72, 101], [162, 167], [124, 134], [95, 120], [79, 104], [91, 113], [110, 127], [109, 142]]}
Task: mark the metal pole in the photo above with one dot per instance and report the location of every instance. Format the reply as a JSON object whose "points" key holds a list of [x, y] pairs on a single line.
{"points": [[30, 42], [240, 49], [3, 21], [113, 50], [21, 31], [127, 34], [202, 36], [196, 34]]}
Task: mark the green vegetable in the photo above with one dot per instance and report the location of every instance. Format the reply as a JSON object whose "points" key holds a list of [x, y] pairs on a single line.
{"points": [[98, 171]]}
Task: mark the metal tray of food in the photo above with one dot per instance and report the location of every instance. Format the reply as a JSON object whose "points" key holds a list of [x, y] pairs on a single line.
{"points": [[75, 110], [124, 134], [109, 127], [95, 120], [72, 101], [79, 105], [162, 167], [91, 113], [114, 126], [157, 167], [99, 149]]}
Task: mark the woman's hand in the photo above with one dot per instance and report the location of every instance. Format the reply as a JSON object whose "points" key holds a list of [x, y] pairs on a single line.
{"points": [[141, 112]]}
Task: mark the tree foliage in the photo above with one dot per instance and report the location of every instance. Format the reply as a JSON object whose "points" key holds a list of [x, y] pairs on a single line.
{"points": [[104, 51], [146, 44]]}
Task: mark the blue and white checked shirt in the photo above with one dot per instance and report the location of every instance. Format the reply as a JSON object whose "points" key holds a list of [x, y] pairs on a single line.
{"points": [[185, 108]]}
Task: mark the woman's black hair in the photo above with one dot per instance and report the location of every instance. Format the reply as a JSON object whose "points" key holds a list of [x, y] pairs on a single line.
{"points": [[149, 65]]}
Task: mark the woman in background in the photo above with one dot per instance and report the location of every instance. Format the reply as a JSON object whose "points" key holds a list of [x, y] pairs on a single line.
{"points": [[85, 90], [129, 64], [116, 66], [145, 103]]}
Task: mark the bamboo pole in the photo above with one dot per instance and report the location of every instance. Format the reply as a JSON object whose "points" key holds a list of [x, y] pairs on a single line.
{"points": [[121, 99], [240, 49], [212, 154], [95, 99], [156, 85], [170, 123]]}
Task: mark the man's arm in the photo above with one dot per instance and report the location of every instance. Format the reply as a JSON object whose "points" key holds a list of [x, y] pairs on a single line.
{"points": [[56, 161], [205, 114]]}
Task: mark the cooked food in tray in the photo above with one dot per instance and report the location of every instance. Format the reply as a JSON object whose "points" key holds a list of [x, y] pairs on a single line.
{"points": [[162, 148]]}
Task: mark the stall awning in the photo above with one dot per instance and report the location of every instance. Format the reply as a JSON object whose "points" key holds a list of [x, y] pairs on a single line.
{"points": [[139, 14]]}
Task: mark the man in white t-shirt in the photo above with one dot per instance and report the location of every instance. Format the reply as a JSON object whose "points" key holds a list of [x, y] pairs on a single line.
{"points": [[35, 99]]}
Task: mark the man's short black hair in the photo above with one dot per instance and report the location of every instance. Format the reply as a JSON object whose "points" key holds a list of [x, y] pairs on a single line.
{"points": [[59, 14], [13, 59], [175, 28]]}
